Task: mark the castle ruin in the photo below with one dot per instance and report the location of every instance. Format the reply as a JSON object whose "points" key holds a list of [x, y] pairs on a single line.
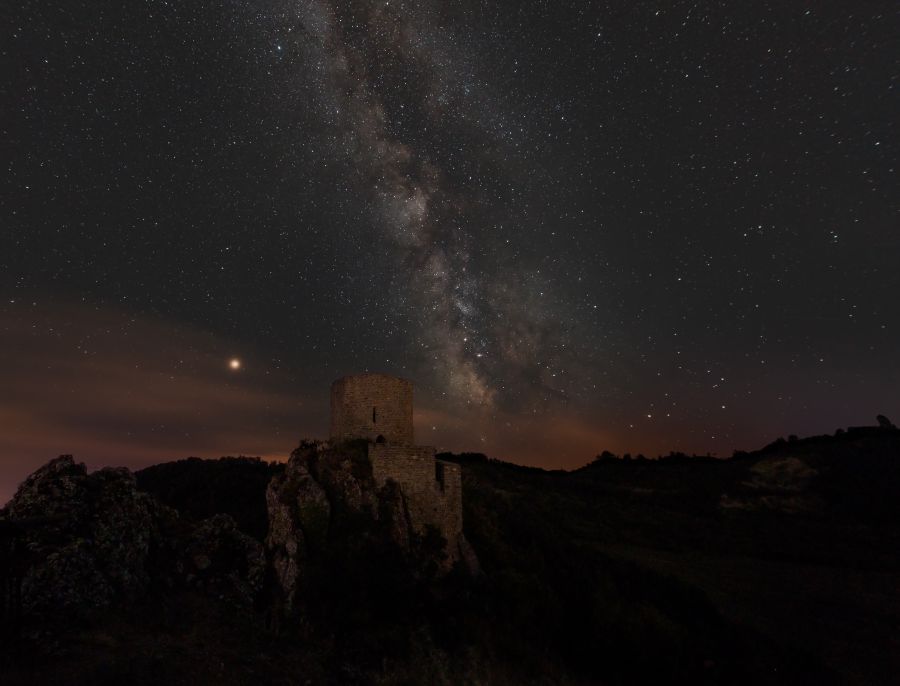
{"points": [[378, 408]]}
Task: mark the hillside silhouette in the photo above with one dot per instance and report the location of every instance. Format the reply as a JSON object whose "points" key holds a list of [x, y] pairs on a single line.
{"points": [[778, 566]]}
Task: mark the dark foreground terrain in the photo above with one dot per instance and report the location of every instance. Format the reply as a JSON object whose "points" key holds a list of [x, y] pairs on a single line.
{"points": [[777, 567]]}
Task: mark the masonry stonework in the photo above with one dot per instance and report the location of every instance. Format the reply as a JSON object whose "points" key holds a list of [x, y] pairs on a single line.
{"points": [[432, 489], [378, 408]]}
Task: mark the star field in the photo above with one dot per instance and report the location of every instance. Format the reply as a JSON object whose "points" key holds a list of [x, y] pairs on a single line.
{"points": [[575, 226]]}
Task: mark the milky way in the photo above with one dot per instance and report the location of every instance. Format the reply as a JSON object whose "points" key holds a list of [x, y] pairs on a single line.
{"points": [[394, 93], [575, 226]]}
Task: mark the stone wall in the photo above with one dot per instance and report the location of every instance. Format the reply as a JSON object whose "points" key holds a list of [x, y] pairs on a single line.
{"points": [[371, 406], [432, 488], [378, 408]]}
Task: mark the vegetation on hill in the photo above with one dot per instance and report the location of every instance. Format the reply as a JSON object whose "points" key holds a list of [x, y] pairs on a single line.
{"points": [[779, 566], [201, 488]]}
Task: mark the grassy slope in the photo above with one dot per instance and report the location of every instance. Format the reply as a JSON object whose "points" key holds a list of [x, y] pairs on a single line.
{"points": [[796, 547]]}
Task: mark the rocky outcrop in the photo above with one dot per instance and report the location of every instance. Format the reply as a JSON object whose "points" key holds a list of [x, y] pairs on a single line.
{"points": [[326, 495], [94, 540], [299, 513], [97, 540], [779, 483], [224, 562], [320, 490], [90, 536], [885, 423]]}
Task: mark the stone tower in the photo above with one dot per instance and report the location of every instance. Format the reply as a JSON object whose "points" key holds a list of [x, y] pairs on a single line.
{"points": [[376, 407]]}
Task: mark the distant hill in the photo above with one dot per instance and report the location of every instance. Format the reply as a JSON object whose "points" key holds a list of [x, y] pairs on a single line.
{"points": [[198, 488], [798, 542]]}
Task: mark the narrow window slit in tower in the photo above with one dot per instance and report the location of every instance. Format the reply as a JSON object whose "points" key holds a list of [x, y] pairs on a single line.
{"points": [[374, 415], [439, 473]]}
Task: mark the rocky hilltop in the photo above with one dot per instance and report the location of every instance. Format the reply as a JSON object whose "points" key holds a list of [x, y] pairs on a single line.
{"points": [[81, 547], [778, 566], [95, 540], [328, 493]]}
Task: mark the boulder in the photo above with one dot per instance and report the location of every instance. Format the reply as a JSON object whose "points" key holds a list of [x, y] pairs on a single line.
{"points": [[89, 536], [885, 423], [223, 562]]}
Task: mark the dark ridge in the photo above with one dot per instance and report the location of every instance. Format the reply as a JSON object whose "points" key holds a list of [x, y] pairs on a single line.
{"points": [[199, 489], [777, 566], [462, 458]]}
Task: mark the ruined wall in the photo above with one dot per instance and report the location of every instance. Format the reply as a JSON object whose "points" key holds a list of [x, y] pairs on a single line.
{"points": [[372, 405], [432, 488]]}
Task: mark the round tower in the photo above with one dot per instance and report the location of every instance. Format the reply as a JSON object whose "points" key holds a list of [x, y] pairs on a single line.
{"points": [[376, 407]]}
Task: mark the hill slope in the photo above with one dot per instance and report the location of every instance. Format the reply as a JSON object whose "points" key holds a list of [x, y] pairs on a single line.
{"points": [[779, 566]]}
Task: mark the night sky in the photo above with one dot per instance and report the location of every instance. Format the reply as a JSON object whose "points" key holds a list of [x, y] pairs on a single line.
{"points": [[574, 226]]}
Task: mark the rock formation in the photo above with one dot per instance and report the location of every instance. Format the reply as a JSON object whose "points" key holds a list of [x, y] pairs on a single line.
{"points": [[884, 422], [328, 493], [95, 540], [93, 546]]}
